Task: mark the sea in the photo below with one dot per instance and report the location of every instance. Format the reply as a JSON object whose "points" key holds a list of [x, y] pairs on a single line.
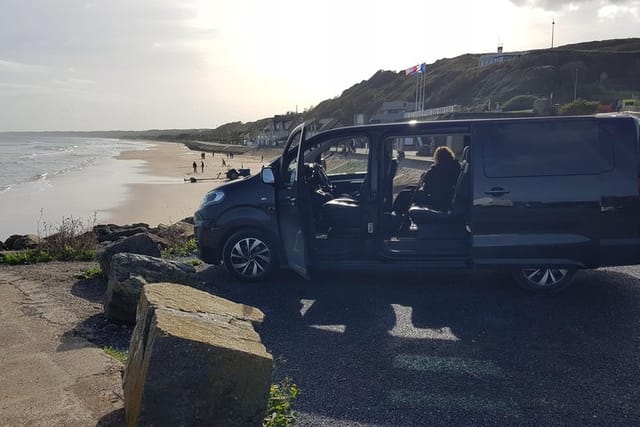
{"points": [[44, 179]]}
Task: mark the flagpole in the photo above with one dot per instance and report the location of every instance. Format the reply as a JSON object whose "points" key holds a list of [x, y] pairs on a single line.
{"points": [[417, 76]]}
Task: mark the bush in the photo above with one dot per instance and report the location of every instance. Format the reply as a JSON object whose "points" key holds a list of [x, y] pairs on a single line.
{"points": [[30, 256], [187, 248], [520, 102], [91, 273], [279, 411], [71, 239], [579, 107]]}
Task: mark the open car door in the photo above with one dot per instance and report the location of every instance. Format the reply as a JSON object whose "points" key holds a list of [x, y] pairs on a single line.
{"points": [[292, 217]]}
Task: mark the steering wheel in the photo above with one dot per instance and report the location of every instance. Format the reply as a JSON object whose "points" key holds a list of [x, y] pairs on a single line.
{"points": [[317, 178], [323, 179]]}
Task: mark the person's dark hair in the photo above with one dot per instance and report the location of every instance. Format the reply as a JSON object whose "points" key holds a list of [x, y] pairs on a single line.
{"points": [[443, 154]]}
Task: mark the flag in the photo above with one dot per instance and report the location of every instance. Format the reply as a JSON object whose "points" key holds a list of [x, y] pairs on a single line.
{"points": [[416, 69]]}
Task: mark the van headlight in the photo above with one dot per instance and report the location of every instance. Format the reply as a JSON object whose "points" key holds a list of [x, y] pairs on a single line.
{"points": [[213, 197]]}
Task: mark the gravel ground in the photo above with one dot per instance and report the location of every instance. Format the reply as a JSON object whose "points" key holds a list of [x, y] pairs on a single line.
{"points": [[463, 348]]}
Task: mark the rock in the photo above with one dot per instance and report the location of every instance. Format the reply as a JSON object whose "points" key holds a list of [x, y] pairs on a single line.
{"points": [[19, 242], [195, 359], [112, 232], [140, 243], [2, 246], [178, 232], [129, 273], [126, 232], [188, 220]]}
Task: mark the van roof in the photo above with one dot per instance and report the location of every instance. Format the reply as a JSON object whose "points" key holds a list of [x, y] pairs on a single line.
{"points": [[402, 126]]}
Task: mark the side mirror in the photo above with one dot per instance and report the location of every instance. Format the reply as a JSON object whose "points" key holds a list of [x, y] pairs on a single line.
{"points": [[267, 175]]}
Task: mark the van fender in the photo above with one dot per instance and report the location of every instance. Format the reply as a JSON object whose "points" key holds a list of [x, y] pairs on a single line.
{"points": [[247, 217]]}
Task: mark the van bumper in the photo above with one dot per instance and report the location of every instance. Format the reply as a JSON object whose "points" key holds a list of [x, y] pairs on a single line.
{"points": [[209, 242], [619, 252]]}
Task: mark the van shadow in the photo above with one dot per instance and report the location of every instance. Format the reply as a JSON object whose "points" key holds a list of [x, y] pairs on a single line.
{"points": [[453, 348]]}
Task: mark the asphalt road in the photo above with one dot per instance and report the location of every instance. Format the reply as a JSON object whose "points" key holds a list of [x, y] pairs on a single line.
{"points": [[461, 348]]}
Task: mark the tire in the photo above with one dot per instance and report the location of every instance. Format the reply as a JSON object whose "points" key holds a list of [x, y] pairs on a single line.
{"points": [[249, 255], [544, 280]]}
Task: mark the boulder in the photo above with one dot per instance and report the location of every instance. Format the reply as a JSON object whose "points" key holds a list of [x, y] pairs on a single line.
{"points": [[112, 232], [19, 242], [177, 232], [129, 273], [195, 359], [126, 232], [2, 246], [140, 243]]}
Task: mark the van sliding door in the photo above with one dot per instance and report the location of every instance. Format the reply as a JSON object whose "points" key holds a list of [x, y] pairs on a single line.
{"points": [[536, 191]]}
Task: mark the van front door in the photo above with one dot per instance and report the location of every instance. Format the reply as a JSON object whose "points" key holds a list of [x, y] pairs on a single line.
{"points": [[291, 215], [536, 192]]}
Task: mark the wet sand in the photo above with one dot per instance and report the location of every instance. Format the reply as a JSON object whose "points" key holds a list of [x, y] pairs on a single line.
{"points": [[165, 197]]}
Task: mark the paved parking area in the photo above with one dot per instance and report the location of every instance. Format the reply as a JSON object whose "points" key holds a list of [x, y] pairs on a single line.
{"points": [[454, 348]]}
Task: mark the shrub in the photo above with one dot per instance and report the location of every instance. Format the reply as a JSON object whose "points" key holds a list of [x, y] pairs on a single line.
{"points": [[72, 239], [187, 248], [30, 256], [279, 411], [579, 107], [520, 102], [91, 273]]}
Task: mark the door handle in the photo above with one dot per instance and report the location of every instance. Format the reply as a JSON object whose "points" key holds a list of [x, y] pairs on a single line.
{"points": [[496, 191]]}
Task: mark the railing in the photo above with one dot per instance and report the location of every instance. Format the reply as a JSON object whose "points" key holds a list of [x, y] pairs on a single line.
{"points": [[433, 112]]}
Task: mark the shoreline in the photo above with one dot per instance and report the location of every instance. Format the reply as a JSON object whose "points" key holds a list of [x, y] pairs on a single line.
{"points": [[166, 198], [145, 183]]}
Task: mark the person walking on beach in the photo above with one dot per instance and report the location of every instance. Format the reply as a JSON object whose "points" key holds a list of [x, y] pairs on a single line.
{"points": [[195, 167], [202, 156], [224, 163], [202, 165]]}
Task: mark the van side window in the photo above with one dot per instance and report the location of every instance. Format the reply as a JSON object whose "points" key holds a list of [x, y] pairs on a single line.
{"points": [[545, 148]]}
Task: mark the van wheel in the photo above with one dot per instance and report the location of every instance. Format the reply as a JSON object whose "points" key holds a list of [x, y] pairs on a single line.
{"points": [[249, 255], [544, 279]]}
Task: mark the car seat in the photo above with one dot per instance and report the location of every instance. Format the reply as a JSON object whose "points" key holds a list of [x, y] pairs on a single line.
{"points": [[451, 223]]}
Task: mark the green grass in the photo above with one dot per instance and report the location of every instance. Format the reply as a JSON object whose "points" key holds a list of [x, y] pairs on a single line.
{"points": [[30, 256], [120, 356], [279, 409], [183, 249], [33, 256], [91, 273]]}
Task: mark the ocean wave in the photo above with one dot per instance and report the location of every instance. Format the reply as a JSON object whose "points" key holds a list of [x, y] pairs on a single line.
{"points": [[5, 188]]}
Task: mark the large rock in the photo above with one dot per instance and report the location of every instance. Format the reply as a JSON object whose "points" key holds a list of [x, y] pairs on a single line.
{"points": [[140, 243], [195, 359], [2, 246], [178, 232], [111, 232], [115, 235], [19, 242], [129, 273]]}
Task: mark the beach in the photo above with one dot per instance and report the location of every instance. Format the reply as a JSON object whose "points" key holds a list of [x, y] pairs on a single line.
{"points": [[165, 197], [107, 181]]}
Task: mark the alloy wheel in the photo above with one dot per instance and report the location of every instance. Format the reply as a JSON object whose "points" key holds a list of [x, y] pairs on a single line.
{"points": [[250, 257], [544, 277]]}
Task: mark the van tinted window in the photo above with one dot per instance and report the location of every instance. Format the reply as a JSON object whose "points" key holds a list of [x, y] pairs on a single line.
{"points": [[554, 147]]}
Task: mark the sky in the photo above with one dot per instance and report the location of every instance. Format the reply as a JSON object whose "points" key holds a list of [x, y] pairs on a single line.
{"points": [[144, 64]]}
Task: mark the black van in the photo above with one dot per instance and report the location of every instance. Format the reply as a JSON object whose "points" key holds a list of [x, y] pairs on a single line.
{"points": [[540, 196]]}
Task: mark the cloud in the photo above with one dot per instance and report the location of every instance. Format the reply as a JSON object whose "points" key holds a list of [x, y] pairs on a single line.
{"points": [[556, 5]]}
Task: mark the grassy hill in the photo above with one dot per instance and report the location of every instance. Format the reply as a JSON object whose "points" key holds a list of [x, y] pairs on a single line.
{"points": [[607, 70]]}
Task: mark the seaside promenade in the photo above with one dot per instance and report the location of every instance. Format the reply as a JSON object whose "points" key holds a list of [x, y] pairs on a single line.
{"points": [[50, 377]]}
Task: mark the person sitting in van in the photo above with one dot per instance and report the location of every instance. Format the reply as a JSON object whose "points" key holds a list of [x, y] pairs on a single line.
{"points": [[439, 181]]}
